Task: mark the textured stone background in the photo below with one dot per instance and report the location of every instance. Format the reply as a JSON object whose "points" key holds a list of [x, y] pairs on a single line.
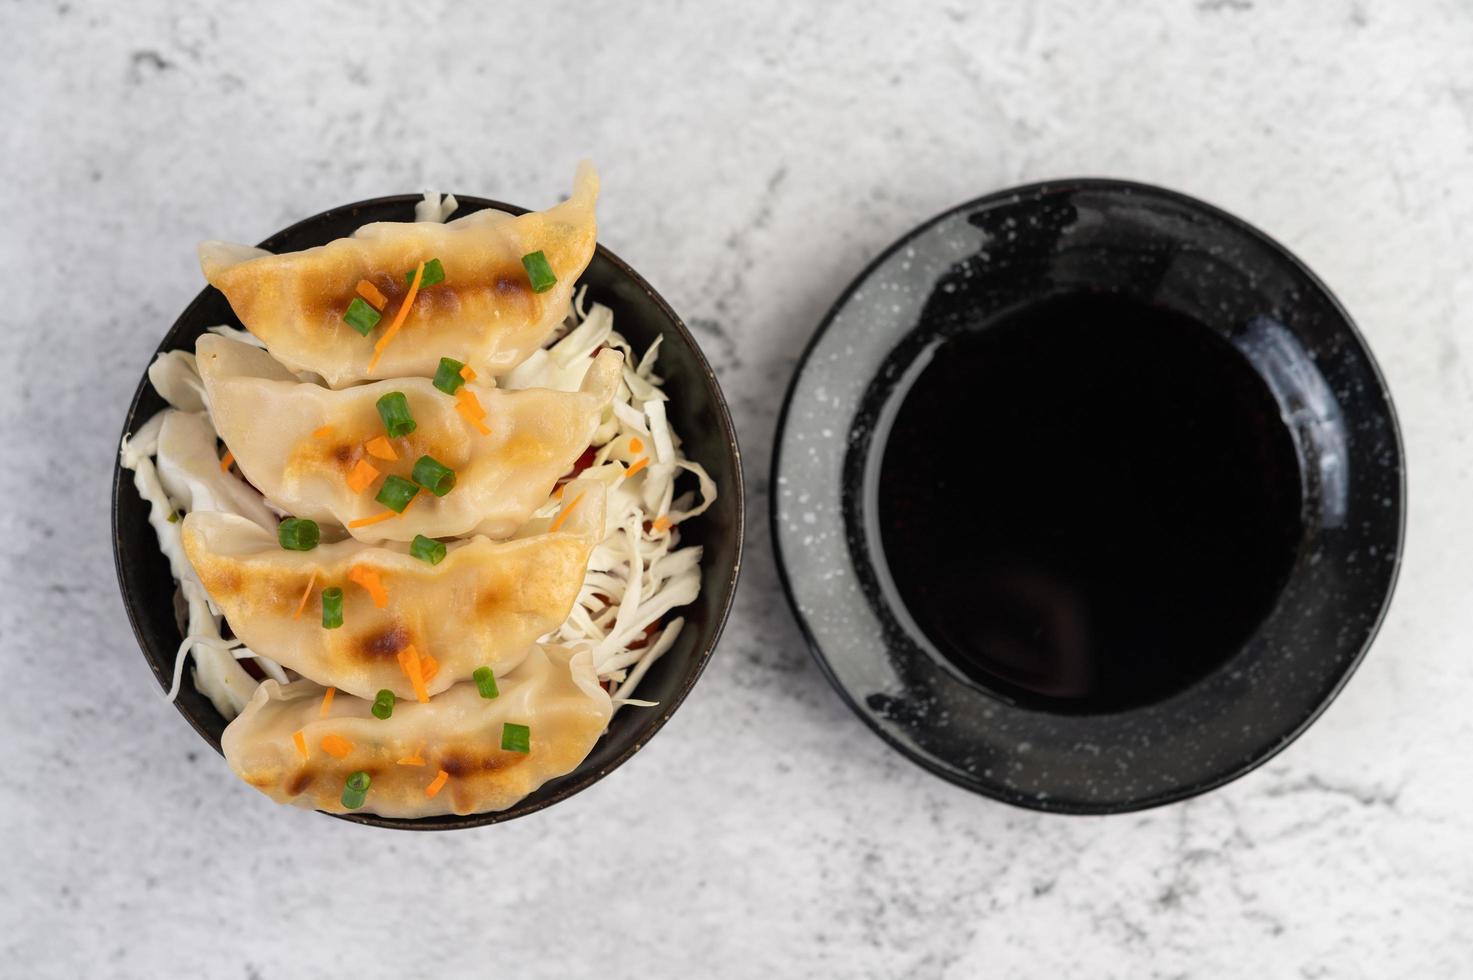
{"points": [[753, 157]]}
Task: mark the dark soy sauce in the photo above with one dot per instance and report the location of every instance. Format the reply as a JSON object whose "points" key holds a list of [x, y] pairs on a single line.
{"points": [[1088, 503]]}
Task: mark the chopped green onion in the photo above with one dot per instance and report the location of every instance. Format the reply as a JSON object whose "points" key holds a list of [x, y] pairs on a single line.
{"points": [[173, 517], [434, 272], [486, 684], [433, 475], [516, 738], [383, 705], [396, 493], [297, 534], [427, 549], [355, 791], [539, 273], [332, 608], [362, 317], [447, 375], [393, 408]]}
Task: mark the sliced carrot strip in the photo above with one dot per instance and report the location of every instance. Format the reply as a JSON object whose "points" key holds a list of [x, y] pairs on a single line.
{"points": [[467, 372], [380, 447], [305, 594], [370, 292], [226, 461], [417, 680], [336, 747], [326, 702], [638, 465], [370, 581], [322, 433], [557, 521], [472, 404], [437, 784], [383, 342], [636, 444], [301, 743], [414, 759], [409, 663], [469, 406], [365, 521], [362, 476], [429, 666], [661, 524], [480, 426]]}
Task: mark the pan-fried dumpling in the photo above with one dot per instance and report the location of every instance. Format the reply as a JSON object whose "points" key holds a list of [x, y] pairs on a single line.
{"points": [[484, 313], [553, 692], [300, 444], [483, 604], [190, 472]]}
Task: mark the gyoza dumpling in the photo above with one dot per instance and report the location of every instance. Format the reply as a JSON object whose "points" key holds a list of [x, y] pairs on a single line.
{"points": [[483, 604], [303, 445], [459, 734], [190, 472], [485, 312]]}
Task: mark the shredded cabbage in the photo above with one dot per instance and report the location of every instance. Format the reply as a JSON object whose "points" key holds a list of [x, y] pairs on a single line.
{"points": [[636, 575], [434, 208], [217, 674], [639, 572]]}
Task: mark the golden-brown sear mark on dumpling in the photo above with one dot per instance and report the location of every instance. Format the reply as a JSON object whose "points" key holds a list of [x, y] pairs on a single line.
{"points": [[327, 778], [515, 284], [268, 591], [299, 781], [503, 287], [477, 773], [523, 449], [441, 299], [497, 592], [461, 763], [219, 579], [384, 643], [265, 590], [394, 289], [338, 456], [500, 592]]}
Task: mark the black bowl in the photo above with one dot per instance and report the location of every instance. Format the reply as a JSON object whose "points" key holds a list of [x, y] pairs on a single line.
{"points": [[697, 411], [979, 262]]}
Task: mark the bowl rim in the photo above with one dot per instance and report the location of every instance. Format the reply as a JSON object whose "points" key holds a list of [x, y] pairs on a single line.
{"points": [[574, 782], [1040, 188]]}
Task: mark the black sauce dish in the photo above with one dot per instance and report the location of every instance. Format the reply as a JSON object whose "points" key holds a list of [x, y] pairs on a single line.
{"points": [[697, 410], [970, 270]]}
